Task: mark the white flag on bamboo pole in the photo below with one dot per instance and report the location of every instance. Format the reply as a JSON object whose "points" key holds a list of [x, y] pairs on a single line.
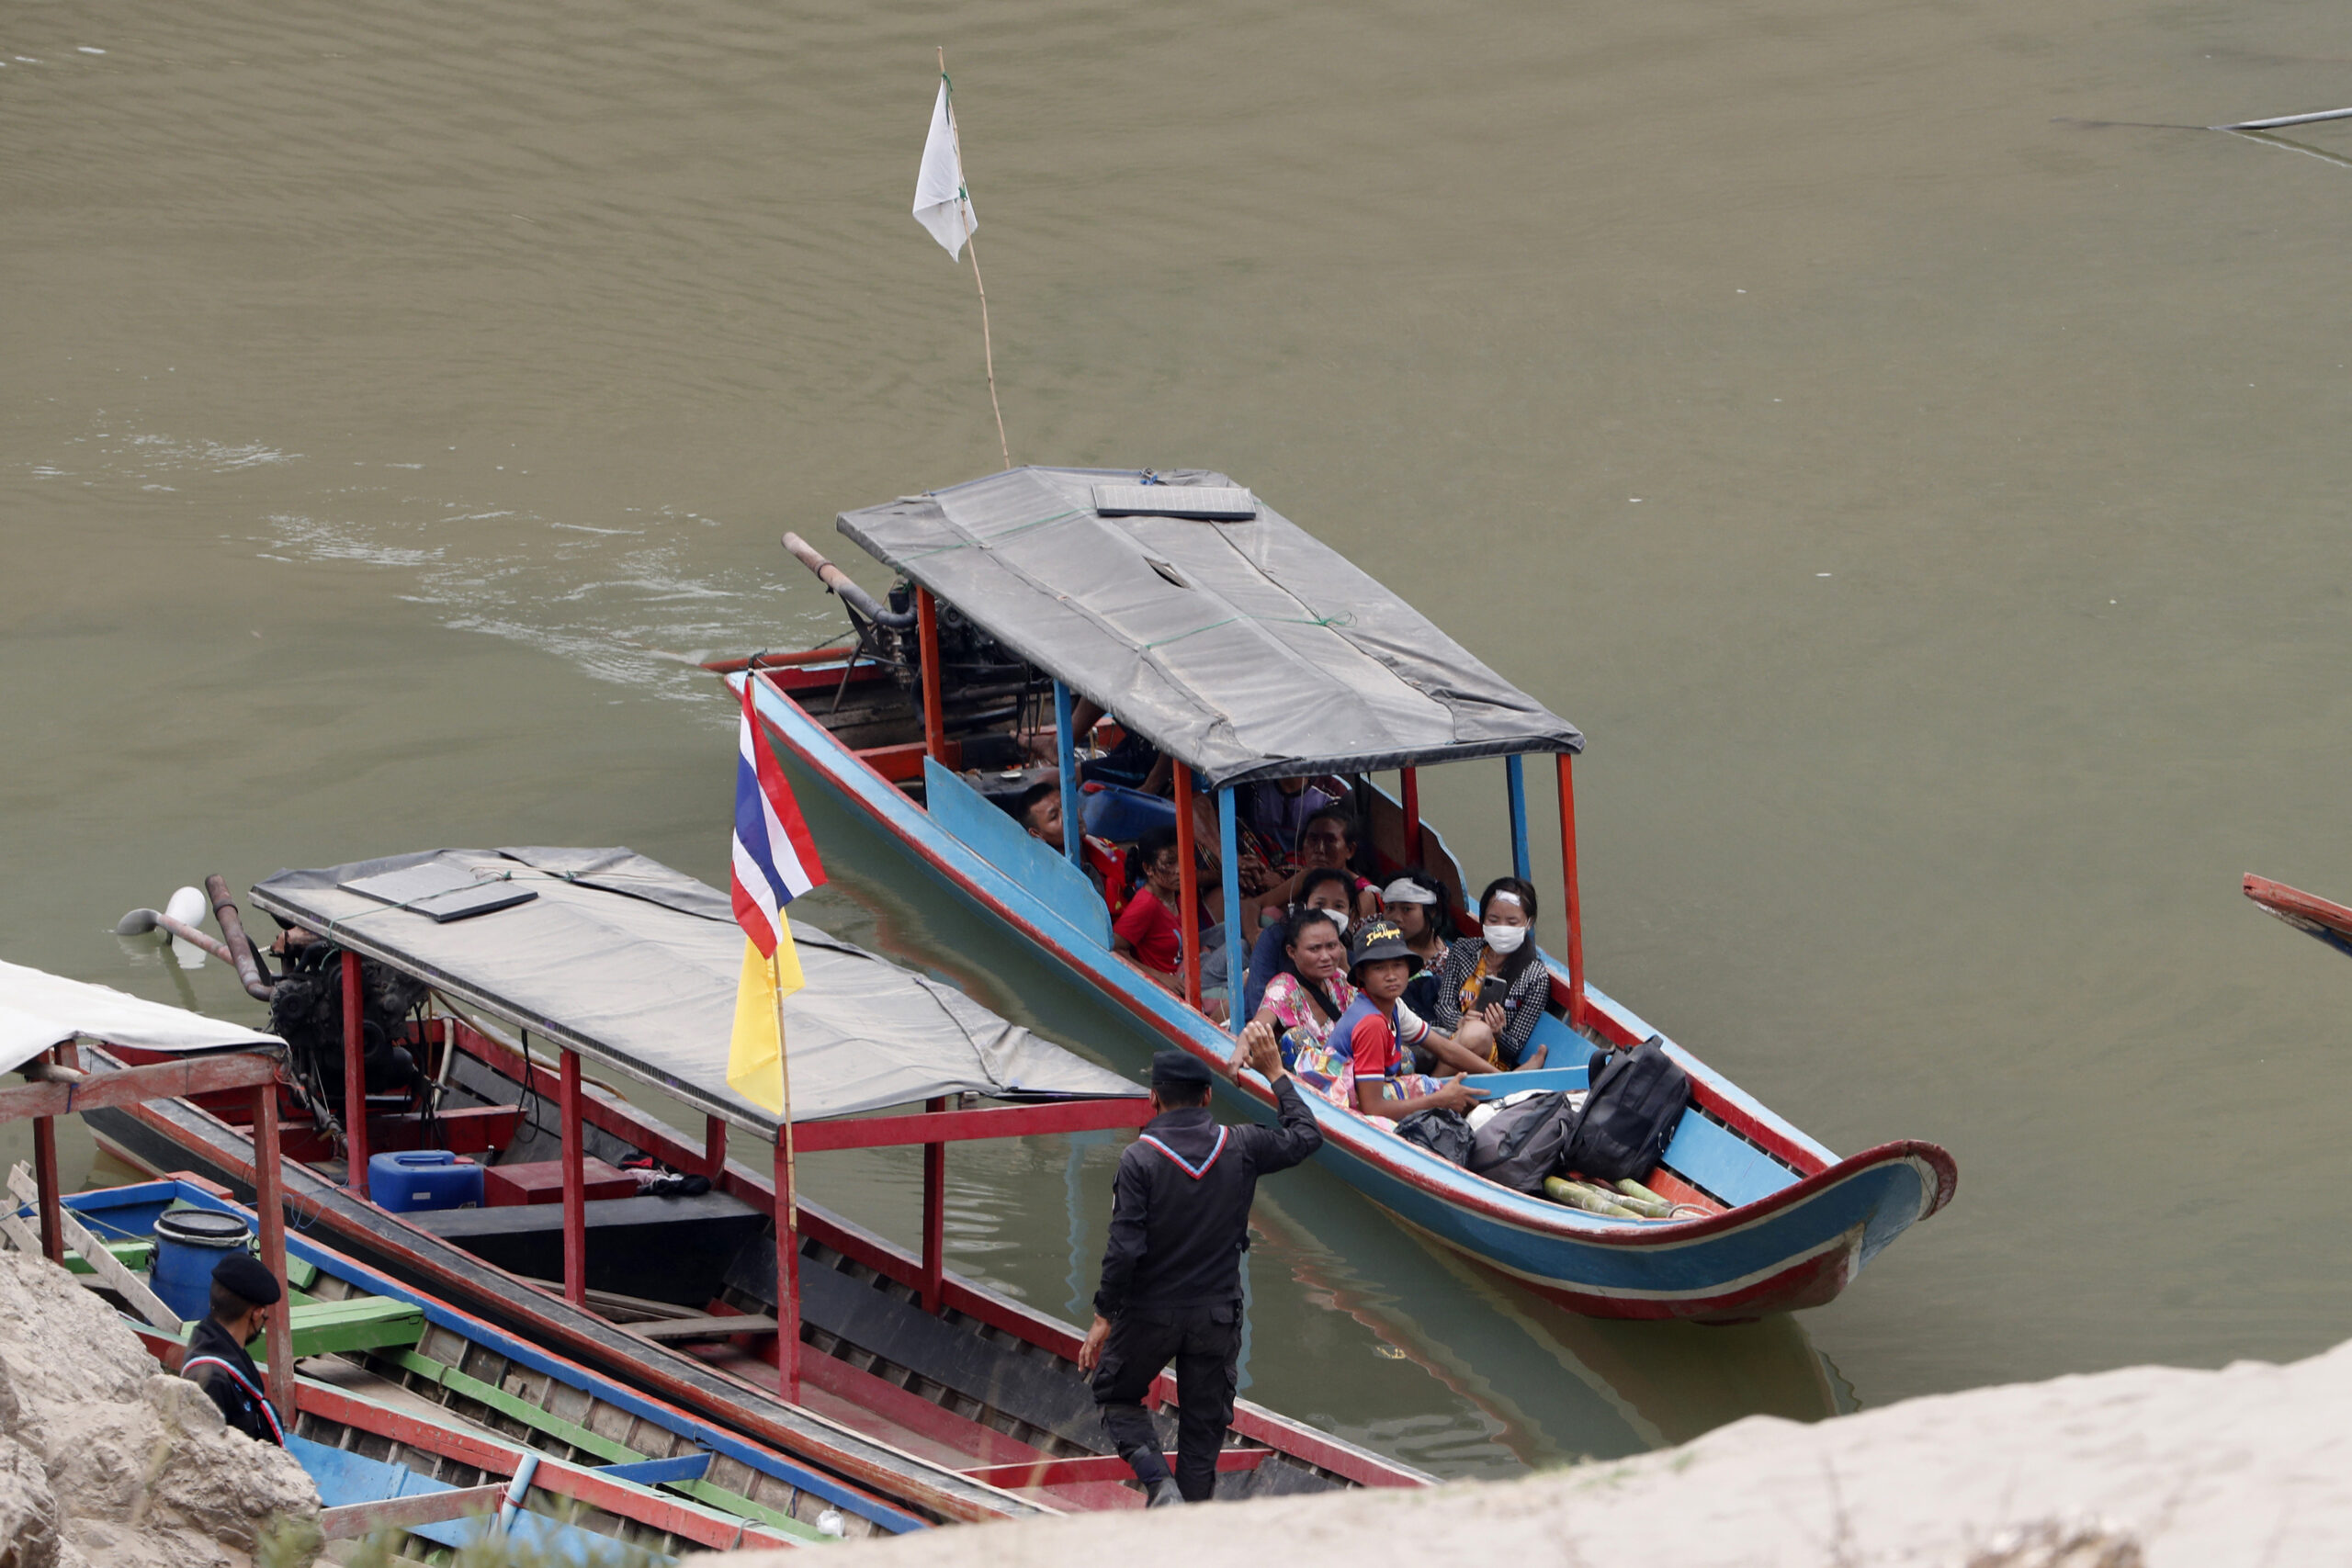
{"points": [[941, 204]]}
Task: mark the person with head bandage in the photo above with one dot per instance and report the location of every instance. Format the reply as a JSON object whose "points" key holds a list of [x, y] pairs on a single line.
{"points": [[1492, 988]]}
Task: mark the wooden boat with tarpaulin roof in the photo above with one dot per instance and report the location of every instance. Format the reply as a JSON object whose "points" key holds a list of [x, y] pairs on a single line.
{"points": [[1243, 650], [424, 1425], [895, 1386]]}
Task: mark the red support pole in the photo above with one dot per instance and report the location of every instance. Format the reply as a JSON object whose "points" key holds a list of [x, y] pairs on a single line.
{"points": [[714, 1147], [934, 722], [354, 1080], [1188, 919], [934, 1221], [52, 1207], [787, 1274], [576, 1186], [269, 1206], [1413, 793], [1574, 901]]}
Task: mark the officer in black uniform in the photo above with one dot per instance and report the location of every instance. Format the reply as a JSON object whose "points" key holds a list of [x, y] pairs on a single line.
{"points": [[1171, 1275], [244, 1292]]}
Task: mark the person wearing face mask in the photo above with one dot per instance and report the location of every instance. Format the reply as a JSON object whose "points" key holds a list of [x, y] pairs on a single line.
{"points": [[1324, 889], [1492, 988], [245, 1294]]}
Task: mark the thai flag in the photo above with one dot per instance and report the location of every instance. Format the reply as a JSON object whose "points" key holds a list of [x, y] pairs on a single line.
{"points": [[776, 860]]}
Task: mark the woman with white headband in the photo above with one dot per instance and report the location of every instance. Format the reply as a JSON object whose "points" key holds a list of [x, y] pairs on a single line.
{"points": [[1492, 986], [1417, 907]]}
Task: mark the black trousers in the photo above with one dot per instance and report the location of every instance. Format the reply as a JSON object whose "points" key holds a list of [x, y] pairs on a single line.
{"points": [[1205, 1342]]}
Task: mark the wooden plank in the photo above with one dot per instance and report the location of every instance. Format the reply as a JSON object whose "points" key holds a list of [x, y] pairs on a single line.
{"points": [[560, 1478], [165, 1080], [356, 1521], [673, 1328], [659, 1471], [1096, 1466], [138, 1256], [102, 1263], [960, 1126], [362, 1322], [1735, 1170], [21, 1237], [522, 1410]]}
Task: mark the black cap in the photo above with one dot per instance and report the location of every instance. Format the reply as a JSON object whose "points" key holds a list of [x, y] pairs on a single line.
{"points": [[1173, 1067], [1378, 938], [243, 1272]]}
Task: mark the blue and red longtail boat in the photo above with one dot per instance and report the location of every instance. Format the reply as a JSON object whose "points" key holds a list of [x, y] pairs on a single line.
{"points": [[1243, 650]]}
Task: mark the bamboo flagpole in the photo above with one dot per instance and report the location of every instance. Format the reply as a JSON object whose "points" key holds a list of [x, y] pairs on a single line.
{"points": [[787, 1208], [940, 184], [775, 863]]}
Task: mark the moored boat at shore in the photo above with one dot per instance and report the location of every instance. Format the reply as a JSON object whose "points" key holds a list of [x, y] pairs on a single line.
{"points": [[1242, 651], [894, 1386], [427, 1427]]}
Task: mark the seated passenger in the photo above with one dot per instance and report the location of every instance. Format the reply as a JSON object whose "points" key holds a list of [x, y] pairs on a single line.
{"points": [[1323, 889], [1367, 1035], [1148, 931], [1306, 997], [1278, 809], [1502, 959], [1256, 873], [1417, 907], [1328, 843], [1040, 810]]}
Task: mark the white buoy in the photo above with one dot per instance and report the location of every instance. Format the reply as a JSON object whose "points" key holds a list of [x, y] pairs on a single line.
{"points": [[830, 1523], [188, 907]]}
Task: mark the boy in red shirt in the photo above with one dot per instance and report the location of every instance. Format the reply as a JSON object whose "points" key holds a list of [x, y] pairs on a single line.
{"points": [[1379, 968]]}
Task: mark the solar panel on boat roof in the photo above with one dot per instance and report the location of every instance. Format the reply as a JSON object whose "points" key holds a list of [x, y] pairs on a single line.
{"points": [[1209, 504], [439, 891]]}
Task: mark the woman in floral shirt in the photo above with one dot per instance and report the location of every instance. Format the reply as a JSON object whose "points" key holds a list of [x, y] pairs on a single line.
{"points": [[1307, 994]]}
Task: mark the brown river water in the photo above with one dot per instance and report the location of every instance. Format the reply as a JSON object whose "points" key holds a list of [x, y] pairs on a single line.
{"points": [[1932, 507]]}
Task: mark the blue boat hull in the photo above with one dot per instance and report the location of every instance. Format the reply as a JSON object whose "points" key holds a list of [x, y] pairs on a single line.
{"points": [[1796, 1247]]}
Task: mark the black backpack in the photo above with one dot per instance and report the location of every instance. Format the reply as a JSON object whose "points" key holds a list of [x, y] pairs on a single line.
{"points": [[1445, 1134], [1522, 1143], [1636, 1102]]}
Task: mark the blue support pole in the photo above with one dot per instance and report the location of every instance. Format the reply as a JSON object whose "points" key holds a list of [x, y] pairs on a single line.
{"points": [[1066, 759], [1237, 942], [1522, 863]]}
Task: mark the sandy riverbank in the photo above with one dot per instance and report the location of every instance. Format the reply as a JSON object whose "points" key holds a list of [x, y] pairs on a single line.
{"points": [[2249, 1466]]}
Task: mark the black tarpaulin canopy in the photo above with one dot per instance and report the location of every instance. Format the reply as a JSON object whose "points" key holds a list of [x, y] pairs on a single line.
{"points": [[1243, 648], [635, 966]]}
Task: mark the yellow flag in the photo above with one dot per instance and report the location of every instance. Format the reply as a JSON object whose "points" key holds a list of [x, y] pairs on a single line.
{"points": [[755, 1054]]}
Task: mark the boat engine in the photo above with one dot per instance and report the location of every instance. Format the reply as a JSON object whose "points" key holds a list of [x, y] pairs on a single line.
{"points": [[306, 1011]]}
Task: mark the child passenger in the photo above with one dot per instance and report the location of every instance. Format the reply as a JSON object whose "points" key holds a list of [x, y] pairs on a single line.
{"points": [[1368, 1034]]}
